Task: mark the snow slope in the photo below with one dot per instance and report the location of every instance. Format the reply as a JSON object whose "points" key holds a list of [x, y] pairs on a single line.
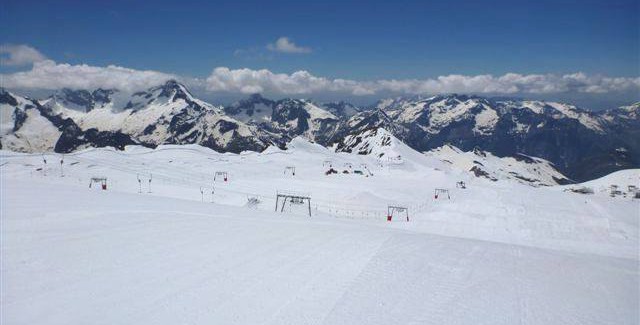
{"points": [[495, 253], [521, 168], [389, 150], [622, 179]]}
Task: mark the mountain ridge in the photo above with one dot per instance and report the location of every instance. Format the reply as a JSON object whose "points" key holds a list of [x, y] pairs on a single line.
{"points": [[580, 143]]}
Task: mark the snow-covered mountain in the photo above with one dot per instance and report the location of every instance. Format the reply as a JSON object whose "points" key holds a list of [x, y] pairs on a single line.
{"points": [[82, 100], [24, 127], [37, 128], [580, 143], [628, 113], [389, 150], [342, 109], [521, 168], [287, 118], [165, 114], [381, 144]]}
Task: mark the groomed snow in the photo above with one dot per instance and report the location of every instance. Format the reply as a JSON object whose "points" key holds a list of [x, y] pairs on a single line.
{"points": [[496, 253]]}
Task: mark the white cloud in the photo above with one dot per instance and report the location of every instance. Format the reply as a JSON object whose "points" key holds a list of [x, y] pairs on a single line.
{"points": [[47, 74], [246, 81], [51, 75], [284, 45], [19, 55]]}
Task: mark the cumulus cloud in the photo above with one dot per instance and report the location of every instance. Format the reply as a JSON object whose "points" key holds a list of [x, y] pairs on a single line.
{"points": [[246, 81], [284, 45], [48, 74], [19, 55]]}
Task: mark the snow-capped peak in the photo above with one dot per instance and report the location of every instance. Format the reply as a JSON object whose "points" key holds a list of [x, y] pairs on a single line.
{"points": [[556, 111], [175, 90], [341, 109], [80, 99], [629, 111], [379, 143], [7, 97], [169, 92], [254, 109], [434, 113]]}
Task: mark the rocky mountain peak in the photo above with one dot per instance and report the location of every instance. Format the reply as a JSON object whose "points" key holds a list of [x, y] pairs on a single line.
{"points": [[341, 109], [174, 90], [79, 98], [7, 98], [103, 95]]}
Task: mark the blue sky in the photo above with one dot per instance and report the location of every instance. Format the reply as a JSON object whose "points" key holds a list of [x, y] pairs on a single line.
{"points": [[355, 40]]}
